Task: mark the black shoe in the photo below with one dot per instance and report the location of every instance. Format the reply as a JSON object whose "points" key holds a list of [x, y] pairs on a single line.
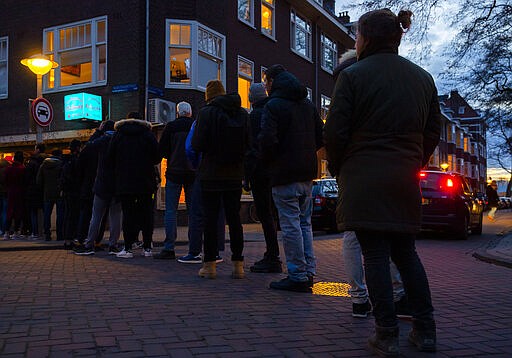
{"points": [[288, 285], [385, 342], [98, 247], [423, 335], [165, 255], [361, 310], [82, 251], [402, 308], [267, 265]]}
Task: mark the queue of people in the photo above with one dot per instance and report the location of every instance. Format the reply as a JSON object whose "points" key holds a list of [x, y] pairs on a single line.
{"points": [[381, 129]]}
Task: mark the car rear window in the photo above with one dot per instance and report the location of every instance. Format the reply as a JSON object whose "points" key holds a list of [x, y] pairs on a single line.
{"points": [[443, 182]]}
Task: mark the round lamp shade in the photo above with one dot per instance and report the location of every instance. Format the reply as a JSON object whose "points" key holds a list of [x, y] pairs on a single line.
{"points": [[39, 64]]}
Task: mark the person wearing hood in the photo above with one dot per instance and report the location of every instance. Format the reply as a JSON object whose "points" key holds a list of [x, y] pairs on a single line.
{"points": [[291, 134], [48, 177], [382, 127], [257, 180], [34, 192], [221, 138], [133, 154]]}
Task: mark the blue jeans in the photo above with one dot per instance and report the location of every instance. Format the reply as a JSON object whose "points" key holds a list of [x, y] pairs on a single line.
{"points": [[172, 197], [378, 247], [3, 213], [352, 257], [99, 208], [47, 211], [294, 205]]}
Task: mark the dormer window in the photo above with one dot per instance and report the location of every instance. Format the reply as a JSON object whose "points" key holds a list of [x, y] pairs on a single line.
{"points": [[462, 109]]}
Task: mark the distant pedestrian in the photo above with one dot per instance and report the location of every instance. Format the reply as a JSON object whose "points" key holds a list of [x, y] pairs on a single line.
{"points": [[291, 134], [179, 175], [382, 127], [34, 191], [258, 182], [493, 199], [133, 154], [221, 138], [15, 184], [48, 177]]}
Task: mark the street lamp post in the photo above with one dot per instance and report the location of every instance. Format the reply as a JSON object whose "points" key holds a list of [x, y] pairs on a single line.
{"points": [[40, 65]]}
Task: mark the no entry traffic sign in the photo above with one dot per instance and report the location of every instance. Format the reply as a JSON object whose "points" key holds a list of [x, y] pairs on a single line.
{"points": [[42, 111]]}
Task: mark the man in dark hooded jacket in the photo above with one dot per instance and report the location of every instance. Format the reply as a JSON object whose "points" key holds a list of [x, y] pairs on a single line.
{"points": [[291, 134]]}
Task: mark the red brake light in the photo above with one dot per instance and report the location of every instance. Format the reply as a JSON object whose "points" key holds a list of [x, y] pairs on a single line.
{"points": [[423, 175], [319, 201], [449, 183]]}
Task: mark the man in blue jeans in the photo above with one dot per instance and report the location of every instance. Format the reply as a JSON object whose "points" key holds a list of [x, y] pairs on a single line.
{"points": [[291, 134], [179, 175]]}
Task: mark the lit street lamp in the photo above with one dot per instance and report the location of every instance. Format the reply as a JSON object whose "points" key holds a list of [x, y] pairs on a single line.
{"points": [[444, 166], [40, 65]]}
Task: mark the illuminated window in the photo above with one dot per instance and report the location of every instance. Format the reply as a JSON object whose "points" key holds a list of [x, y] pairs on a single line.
{"points": [[329, 53], [300, 35], [263, 69], [195, 54], [245, 78], [267, 17], [81, 51], [324, 107], [246, 11], [4, 51]]}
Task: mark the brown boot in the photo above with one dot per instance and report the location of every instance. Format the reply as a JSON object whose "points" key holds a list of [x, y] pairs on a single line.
{"points": [[423, 335], [209, 270], [385, 341], [238, 269]]}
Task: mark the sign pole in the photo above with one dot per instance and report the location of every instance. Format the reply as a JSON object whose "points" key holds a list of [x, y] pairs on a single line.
{"points": [[39, 129]]}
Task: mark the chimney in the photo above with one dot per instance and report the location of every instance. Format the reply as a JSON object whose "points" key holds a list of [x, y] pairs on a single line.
{"points": [[329, 6], [344, 17]]}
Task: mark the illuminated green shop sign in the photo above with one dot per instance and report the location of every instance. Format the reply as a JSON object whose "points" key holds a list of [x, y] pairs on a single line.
{"points": [[82, 106]]}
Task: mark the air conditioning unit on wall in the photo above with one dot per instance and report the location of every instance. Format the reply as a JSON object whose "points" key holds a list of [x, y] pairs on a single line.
{"points": [[161, 111]]}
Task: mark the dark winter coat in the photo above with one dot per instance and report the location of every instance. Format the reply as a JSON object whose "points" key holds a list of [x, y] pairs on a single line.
{"points": [[492, 196], [48, 177], [3, 164], [15, 184], [34, 192], [291, 132], [70, 177], [382, 127], [254, 167], [104, 181], [172, 147], [87, 167], [222, 148], [133, 154]]}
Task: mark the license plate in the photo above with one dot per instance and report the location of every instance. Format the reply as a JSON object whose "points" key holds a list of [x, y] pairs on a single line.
{"points": [[425, 201]]}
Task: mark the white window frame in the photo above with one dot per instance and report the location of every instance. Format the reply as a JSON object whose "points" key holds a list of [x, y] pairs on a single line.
{"points": [[195, 28], [320, 2], [272, 8], [56, 53], [323, 107], [310, 93], [293, 30], [251, 9], [326, 46], [4, 42], [245, 76]]}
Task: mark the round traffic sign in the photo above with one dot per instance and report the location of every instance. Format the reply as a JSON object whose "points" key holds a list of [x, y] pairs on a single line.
{"points": [[42, 111]]}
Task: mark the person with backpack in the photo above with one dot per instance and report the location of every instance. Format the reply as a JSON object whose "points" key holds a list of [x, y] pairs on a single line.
{"points": [[221, 138]]}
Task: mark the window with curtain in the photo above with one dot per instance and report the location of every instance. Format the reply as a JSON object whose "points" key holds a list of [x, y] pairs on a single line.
{"points": [[245, 11]]}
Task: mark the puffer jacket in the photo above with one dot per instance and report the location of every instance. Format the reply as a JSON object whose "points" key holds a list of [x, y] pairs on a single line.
{"points": [[382, 127], [291, 132], [211, 139], [48, 177], [133, 154], [172, 147]]}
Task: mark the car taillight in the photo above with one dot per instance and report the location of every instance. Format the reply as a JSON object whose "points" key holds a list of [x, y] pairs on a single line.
{"points": [[423, 175], [449, 183], [319, 201]]}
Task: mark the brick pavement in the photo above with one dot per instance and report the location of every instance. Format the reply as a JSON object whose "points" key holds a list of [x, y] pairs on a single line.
{"points": [[57, 304]]}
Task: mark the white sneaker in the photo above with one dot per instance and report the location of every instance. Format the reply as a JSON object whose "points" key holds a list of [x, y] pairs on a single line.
{"points": [[125, 254], [147, 253], [34, 237]]}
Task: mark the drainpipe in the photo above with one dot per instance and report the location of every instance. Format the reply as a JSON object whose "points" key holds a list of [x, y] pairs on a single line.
{"points": [[146, 80], [317, 63]]}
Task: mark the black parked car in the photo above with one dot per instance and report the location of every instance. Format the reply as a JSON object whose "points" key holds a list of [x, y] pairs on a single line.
{"points": [[449, 205], [325, 196]]}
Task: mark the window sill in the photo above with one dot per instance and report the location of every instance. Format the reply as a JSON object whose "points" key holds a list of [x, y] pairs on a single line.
{"points": [[251, 25], [301, 55], [270, 37], [74, 87], [328, 70]]}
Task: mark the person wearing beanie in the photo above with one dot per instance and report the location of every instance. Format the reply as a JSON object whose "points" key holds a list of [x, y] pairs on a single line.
{"points": [[221, 137], [179, 175], [257, 180], [214, 88], [383, 125]]}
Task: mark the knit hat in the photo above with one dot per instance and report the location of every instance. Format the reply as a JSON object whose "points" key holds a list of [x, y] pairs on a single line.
{"points": [[184, 109], [109, 125], [214, 88], [257, 92]]}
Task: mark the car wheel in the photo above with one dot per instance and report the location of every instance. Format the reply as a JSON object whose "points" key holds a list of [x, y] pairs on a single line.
{"points": [[477, 230], [463, 229]]}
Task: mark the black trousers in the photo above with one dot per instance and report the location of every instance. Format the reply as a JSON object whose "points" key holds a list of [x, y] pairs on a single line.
{"points": [[262, 194], [137, 216], [211, 207], [377, 248]]}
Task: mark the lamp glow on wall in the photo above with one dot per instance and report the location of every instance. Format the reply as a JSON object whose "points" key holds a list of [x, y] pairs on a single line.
{"points": [[40, 65]]}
